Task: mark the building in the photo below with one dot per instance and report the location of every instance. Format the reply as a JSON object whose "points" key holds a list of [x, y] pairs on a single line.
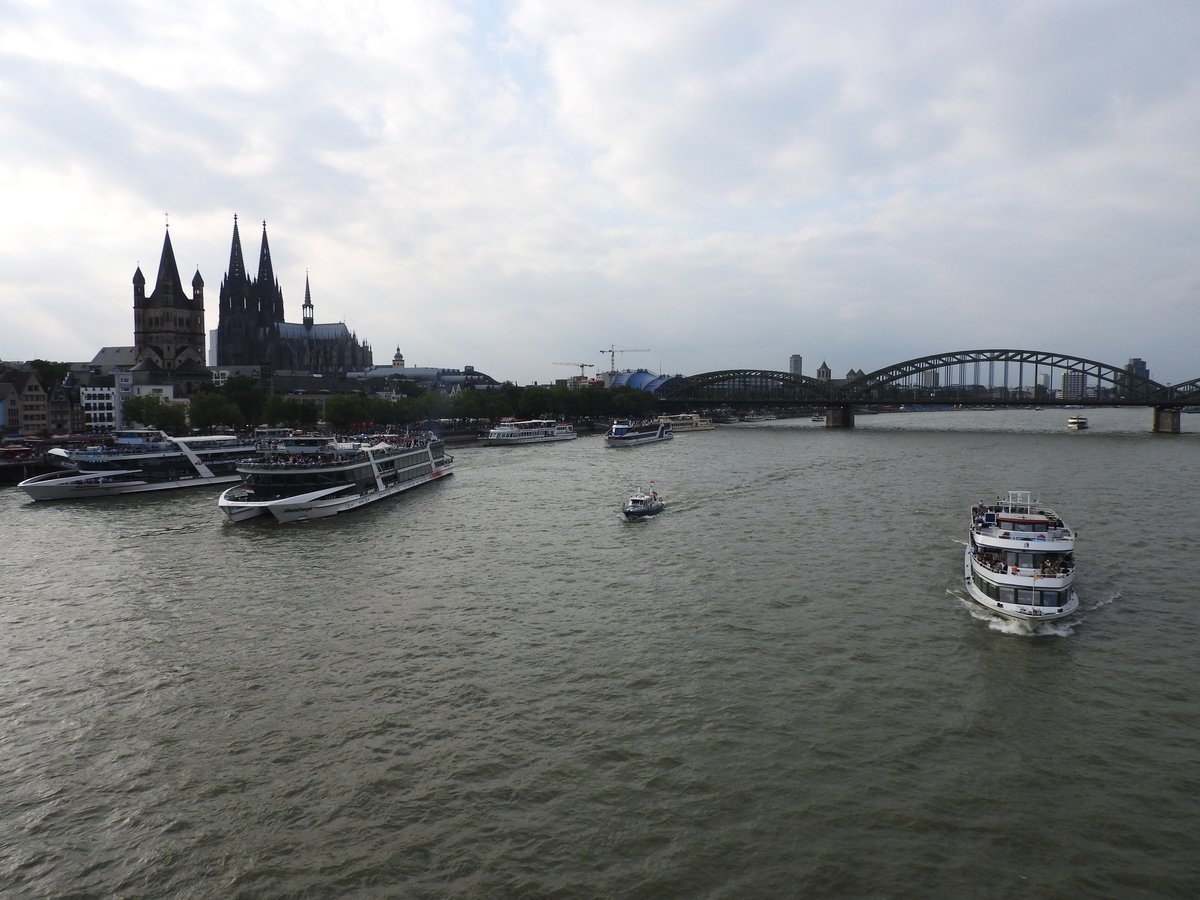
{"points": [[796, 364], [168, 330], [1136, 374], [1074, 385], [101, 408], [251, 330], [434, 378]]}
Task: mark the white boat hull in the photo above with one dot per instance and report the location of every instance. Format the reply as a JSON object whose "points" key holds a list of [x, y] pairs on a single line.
{"points": [[513, 441], [315, 504], [74, 486]]}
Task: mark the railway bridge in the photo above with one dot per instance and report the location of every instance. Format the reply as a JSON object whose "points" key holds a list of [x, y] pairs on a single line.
{"points": [[962, 377]]}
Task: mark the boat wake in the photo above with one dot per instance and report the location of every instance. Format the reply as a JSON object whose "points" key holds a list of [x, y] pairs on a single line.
{"points": [[1057, 628], [1101, 602]]}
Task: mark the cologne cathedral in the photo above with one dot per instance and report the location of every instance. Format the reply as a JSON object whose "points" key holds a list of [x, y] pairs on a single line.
{"points": [[251, 330]]}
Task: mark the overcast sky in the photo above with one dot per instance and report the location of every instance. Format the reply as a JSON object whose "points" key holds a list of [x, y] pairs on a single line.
{"points": [[721, 182]]}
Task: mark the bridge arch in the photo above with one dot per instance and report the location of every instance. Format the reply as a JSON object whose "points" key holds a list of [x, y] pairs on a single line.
{"points": [[1106, 378], [748, 386]]}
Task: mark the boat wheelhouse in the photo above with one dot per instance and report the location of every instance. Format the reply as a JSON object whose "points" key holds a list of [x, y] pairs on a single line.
{"points": [[625, 434], [641, 504], [681, 423], [139, 461], [1020, 560], [532, 431], [336, 478]]}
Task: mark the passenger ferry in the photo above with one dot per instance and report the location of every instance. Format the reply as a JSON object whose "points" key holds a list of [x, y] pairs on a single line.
{"points": [[140, 460], [1077, 423], [533, 431], [337, 477], [624, 434], [1020, 560], [682, 423]]}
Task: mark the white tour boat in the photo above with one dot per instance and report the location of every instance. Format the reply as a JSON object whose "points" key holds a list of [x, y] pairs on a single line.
{"points": [[1077, 423], [681, 423], [624, 434], [140, 460], [533, 431], [1020, 560], [296, 487], [641, 504]]}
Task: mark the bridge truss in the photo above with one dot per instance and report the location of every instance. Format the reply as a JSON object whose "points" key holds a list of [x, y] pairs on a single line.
{"points": [[1024, 377]]}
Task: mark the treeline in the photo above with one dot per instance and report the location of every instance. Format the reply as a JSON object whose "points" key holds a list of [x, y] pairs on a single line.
{"points": [[244, 402]]}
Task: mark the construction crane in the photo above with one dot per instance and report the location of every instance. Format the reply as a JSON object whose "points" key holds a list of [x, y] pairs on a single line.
{"points": [[612, 352], [582, 366]]}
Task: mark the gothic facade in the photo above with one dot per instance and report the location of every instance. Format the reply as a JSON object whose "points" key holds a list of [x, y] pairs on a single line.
{"points": [[168, 324], [168, 329], [251, 330]]}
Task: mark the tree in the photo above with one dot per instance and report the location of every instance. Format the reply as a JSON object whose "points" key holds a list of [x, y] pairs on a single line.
{"points": [[209, 409], [153, 411], [50, 372], [345, 410], [248, 395]]}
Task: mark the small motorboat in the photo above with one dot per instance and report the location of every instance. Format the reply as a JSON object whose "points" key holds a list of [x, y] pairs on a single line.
{"points": [[641, 504]]}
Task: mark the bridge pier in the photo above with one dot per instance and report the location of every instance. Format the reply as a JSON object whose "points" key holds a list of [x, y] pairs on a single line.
{"points": [[1166, 420], [839, 417]]}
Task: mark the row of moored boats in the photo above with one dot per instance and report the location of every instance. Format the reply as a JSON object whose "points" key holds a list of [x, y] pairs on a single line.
{"points": [[626, 433], [293, 479]]}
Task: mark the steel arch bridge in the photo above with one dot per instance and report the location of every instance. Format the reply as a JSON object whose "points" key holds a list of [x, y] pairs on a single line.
{"points": [[942, 379]]}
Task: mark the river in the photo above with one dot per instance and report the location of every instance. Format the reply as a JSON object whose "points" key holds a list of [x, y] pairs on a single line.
{"points": [[495, 686]]}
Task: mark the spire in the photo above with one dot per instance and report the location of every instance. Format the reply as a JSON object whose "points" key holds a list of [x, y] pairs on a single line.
{"points": [[168, 289], [266, 273], [237, 266], [308, 307]]}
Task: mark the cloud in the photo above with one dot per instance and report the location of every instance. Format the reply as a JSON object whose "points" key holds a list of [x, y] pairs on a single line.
{"points": [[509, 185]]}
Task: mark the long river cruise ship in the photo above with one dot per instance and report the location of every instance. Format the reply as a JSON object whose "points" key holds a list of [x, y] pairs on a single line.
{"points": [[140, 460], [318, 478], [1020, 560], [681, 423], [532, 431]]}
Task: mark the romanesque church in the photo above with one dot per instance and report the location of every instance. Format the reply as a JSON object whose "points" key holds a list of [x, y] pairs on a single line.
{"points": [[251, 330]]}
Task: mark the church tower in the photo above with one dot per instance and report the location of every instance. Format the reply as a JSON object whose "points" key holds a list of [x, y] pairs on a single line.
{"points": [[168, 324]]}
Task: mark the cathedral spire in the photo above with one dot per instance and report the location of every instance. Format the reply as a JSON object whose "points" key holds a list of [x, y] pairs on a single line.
{"points": [[237, 266], [266, 272]]}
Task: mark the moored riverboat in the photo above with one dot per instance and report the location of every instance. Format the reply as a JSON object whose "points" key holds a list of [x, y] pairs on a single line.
{"points": [[627, 434], [1020, 560], [532, 431], [682, 423], [339, 477], [140, 461]]}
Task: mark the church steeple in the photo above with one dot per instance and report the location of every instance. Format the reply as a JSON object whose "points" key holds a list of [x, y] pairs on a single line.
{"points": [[308, 307], [168, 288]]}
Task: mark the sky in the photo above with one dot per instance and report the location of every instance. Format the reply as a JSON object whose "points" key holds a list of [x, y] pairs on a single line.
{"points": [[706, 185]]}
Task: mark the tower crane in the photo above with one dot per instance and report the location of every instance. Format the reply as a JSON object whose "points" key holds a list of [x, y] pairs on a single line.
{"points": [[582, 366], [612, 352]]}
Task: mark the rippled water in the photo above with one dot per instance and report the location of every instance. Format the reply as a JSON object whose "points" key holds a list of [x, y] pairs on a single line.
{"points": [[495, 686]]}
